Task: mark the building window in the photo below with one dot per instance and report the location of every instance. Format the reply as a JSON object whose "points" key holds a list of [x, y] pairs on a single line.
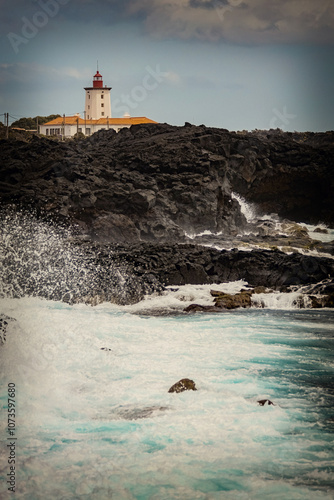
{"points": [[80, 130], [102, 113], [87, 131], [47, 132]]}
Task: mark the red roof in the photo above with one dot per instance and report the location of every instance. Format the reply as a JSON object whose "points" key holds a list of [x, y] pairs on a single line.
{"points": [[73, 120]]}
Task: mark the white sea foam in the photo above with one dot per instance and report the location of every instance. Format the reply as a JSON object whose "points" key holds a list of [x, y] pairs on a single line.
{"points": [[98, 423], [177, 298], [247, 209], [326, 236], [95, 419], [279, 300], [192, 236]]}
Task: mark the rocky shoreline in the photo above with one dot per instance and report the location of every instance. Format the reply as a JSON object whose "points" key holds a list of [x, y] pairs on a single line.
{"points": [[164, 205], [157, 266]]}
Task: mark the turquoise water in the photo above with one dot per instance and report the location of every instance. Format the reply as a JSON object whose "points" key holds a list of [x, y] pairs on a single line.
{"points": [[98, 424]]}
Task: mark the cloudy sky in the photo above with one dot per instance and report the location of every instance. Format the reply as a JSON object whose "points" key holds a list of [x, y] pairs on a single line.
{"points": [[235, 64]]}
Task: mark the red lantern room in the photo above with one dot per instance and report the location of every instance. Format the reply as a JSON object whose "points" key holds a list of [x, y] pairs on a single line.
{"points": [[97, 81]]}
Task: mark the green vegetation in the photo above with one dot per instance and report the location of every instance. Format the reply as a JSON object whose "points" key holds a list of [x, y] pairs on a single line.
{"points": [[79, 135], [31, 123]]}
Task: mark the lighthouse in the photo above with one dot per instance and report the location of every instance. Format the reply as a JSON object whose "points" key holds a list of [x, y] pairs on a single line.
{"points": [[97, 102], [97, 115]]}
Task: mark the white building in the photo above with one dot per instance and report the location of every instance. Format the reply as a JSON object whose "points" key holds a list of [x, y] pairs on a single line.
{"points": [[97, 115], [97, 104]]}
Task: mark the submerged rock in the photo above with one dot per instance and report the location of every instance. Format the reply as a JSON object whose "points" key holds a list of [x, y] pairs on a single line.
{"points": [[138, 413], [192, 308], [223, 301], [321, 230], [185, 384], [263, 402]]}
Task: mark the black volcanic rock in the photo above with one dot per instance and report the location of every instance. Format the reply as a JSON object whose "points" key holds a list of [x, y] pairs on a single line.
{"points": [[141, 184], [191, 264], [154, 182], [185, 384], [291, 174], [133, 196]]}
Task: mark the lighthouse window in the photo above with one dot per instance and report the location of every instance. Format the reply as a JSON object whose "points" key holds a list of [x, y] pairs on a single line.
{"points": [[102, 105], [88, 96], [102, 113], [102, 96]]}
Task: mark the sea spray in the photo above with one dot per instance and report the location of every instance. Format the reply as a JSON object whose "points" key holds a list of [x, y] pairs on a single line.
{"points": [[40, 258], [247, 209]]}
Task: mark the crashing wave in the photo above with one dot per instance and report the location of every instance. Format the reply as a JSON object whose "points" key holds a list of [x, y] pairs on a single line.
{"points": [[40, 259]]}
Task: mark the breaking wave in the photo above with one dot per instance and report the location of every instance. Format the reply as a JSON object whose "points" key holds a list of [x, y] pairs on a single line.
{"points": [[42, 259]]}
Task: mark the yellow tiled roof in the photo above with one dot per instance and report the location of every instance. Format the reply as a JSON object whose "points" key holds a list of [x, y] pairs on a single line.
{"points": [[73, 120]]}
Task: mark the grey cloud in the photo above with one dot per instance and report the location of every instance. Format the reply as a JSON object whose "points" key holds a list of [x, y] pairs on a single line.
{"points": [[240, 21], [207, 4], [78, 11]]}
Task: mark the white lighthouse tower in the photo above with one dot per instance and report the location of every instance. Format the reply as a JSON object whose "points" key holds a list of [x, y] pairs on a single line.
{"points": [[97, 103]]}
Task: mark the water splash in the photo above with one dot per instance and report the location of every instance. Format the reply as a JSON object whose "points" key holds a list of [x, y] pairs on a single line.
{"points": [[281, 301], [247, 209], [40, 259]]}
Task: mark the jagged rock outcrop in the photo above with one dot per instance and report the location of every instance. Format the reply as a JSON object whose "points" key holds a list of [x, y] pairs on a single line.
{"points": [[149, 184], [130, 198], [191, 264], [156, 182], [290, 174]]}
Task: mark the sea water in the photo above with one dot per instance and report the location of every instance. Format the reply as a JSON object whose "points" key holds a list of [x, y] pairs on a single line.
{"points": [[95, 420]]}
